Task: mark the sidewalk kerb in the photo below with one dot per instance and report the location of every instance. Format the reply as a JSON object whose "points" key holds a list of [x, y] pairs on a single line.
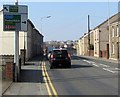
{"points": [[7, 88]]}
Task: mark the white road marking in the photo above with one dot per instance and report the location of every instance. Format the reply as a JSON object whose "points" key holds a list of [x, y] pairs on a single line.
{"points": [[104, 65], [107, 67], [108, 70], [95, 65], [87, 61], [117, 68]]}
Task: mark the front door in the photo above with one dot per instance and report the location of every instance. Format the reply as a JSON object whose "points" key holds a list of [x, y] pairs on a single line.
{"points": [[117, 50], [107, 51]]}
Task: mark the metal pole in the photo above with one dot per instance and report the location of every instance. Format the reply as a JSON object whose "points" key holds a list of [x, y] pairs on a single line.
{"points": [[16, 53], [89, 35], [16, 2], [41, 21], [24, 48], [118, 33], [109, 30]]}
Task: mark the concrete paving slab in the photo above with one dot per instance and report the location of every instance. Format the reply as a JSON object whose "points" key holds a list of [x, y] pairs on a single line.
{"points": [[30, 82], [27, 89], [5, 84]]}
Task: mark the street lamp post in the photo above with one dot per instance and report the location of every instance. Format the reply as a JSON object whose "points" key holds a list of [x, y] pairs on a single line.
{"points": [[89, 35], [42, 19]]}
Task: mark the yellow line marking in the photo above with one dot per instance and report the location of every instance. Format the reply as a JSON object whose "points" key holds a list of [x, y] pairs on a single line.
{"points": [[47, 86], [50, 82]]}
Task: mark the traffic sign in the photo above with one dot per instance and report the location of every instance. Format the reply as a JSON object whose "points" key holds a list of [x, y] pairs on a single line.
{"points": [[15, 17], [13, 8], [10, 22]]}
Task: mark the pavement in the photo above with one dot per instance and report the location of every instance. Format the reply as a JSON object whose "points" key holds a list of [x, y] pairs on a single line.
{"points": [[5, 84], [100, 59], [31, 80], [0, 87]]}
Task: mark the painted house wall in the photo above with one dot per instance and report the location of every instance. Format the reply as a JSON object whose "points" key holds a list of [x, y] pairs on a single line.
{"points": [[33, 40], [114, 41], [7, 40]]}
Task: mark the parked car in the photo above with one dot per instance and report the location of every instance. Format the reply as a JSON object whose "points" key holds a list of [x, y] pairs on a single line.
{"points": [[60, 57]]}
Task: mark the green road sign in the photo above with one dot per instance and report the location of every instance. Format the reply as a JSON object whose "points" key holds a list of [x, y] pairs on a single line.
{"points": [[13, 9], [14, 17], [10, 22]]}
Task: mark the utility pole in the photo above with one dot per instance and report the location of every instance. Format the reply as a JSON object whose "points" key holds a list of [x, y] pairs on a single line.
{"points": [[119, 32], [16, 48], [89, 35], [16, 2], [109, 52]]}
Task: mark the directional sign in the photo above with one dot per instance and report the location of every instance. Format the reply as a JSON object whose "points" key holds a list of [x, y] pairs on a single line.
{"points": [[22, 9], [13, 8], [10, 22], [15, 17]]}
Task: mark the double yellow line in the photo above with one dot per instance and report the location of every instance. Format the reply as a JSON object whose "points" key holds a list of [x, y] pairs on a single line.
{"points": [[48, 82]]}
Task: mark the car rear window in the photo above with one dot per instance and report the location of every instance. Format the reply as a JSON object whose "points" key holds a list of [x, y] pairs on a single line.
{"points": [[60, 53]]}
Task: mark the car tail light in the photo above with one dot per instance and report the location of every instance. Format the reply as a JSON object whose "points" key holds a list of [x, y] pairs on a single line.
{"points": [[52, 56], [68, 55]]}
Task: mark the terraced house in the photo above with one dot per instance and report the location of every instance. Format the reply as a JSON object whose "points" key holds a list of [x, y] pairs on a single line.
{"points": [[83, 44], [114, 42], [104, 40]]}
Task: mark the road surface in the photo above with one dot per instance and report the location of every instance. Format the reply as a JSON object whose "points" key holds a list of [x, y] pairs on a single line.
{"points": [[86, 77]]}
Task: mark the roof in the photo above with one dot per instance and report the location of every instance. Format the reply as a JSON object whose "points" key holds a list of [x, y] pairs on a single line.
{"points": [[38, 32], [106, 20], [118, 20], [103, 23], [30, 23]]}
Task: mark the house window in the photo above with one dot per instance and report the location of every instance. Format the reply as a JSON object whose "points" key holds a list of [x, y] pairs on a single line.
{"points": [[117, 34], [113, 49], [95, 35], [113, 32]]}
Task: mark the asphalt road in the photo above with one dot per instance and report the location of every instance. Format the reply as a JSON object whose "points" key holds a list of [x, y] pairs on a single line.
{"points": [[86, 77]]}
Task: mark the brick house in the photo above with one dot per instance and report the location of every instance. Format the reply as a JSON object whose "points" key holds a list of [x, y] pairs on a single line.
{"points": [[101, 38]]}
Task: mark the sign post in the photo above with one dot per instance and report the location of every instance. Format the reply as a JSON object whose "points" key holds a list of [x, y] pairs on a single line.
{"points": [[16, 55], [14, 18]]}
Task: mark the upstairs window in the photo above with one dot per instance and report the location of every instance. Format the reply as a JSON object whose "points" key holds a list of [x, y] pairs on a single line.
{"points": [[113, 49], [117, 34], [113, 32]]}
